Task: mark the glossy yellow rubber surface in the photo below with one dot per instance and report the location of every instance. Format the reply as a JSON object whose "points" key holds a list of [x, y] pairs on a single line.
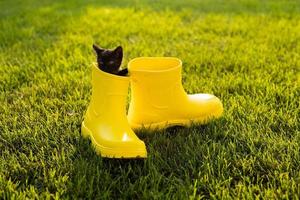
{"points": [[105, 121], [158, 99]]}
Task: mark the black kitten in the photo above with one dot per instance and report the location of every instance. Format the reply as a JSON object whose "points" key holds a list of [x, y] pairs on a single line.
{"points": [[110, 60]]}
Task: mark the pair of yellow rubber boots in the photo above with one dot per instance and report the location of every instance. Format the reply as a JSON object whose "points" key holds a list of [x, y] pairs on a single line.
{"points": [[158, 101]]}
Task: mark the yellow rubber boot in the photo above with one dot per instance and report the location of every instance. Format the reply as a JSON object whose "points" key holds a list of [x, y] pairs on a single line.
{"points": [[105, 121], [158, 99]]}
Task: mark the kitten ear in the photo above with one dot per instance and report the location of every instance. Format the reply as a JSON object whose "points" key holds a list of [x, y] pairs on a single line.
{"points": [[97, 49], [119, 52]]}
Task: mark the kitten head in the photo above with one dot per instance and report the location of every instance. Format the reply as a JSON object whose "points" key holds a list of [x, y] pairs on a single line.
{"points": [[109, 60]]}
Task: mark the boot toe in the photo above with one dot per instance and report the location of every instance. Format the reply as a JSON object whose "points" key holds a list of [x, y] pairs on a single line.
{"points": [[125, 147], [207, 105]]}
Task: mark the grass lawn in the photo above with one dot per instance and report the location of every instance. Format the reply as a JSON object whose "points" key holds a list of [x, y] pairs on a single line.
{"points": [[245, 52]]}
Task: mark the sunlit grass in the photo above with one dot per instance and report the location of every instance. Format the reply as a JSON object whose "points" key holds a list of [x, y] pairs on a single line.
{"points": [[245, 52]]}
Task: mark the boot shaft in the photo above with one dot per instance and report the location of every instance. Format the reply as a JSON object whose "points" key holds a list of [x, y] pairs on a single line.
{"points": [[153, 78], [109, 92]]}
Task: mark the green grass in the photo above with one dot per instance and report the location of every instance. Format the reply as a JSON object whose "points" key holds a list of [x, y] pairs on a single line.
{"points": [[245, 52]]}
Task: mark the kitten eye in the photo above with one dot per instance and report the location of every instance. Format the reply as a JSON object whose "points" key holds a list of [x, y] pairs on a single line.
{"points": [[111, 62]]}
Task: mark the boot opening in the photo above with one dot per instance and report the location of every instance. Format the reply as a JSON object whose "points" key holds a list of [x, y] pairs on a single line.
{"points": [[153, 64]]}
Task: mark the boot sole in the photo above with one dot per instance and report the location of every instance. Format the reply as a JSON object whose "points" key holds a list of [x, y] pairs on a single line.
{"points": [[176, 122], [108, 152]]}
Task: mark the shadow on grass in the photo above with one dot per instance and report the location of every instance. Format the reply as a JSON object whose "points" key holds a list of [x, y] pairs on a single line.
{"points": [[175, 156], [171, 153]]}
